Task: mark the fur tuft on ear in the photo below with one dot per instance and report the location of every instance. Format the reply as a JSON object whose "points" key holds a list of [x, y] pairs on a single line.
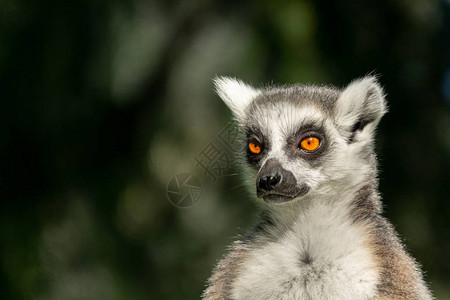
{"points": [[236, 94], [360, 107]]}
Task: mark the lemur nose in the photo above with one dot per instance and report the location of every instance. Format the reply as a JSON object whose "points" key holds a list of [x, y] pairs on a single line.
{"points": [[268, 183]]}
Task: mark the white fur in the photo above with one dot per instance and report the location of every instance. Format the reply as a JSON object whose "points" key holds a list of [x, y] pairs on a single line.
{"points": [[236, 94], [362, 97], [341, 267], [281, 121]]}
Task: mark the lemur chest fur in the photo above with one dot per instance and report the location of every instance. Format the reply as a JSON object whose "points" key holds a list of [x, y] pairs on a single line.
{"points": [[323, 255], [310, 155]]}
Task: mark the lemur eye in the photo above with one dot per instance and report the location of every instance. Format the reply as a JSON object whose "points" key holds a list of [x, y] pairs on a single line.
{"points": [[254, 147], [310, 144]]}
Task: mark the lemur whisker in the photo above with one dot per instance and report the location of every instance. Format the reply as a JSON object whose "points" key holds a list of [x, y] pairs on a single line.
{"points": [[315, 172]]}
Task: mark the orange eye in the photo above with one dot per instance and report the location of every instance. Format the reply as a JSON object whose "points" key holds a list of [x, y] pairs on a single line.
{"points": [[254, 147], [310, 143]]}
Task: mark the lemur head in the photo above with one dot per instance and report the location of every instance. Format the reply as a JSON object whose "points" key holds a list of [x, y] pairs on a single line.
{"points": [[305, 140]]}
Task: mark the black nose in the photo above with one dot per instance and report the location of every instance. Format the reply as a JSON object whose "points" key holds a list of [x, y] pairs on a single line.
{"points": [[269, 182]]}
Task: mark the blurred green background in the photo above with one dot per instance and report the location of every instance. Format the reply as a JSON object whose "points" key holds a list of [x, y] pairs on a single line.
{"points": [[104, 102]]}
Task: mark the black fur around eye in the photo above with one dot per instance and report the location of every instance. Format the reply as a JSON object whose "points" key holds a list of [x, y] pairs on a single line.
{"points": [[255, 151], [255, 147], [322, 207], [308, 143]]}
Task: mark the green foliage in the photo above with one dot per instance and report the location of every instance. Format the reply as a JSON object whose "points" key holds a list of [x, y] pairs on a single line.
{"points": [[104, 102]]}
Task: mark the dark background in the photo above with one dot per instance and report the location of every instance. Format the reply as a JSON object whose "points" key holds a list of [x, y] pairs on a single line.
{"points": [[104, 102]]}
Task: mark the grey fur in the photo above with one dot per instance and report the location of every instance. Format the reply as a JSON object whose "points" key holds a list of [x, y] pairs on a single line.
{"points": [[340, 117]]}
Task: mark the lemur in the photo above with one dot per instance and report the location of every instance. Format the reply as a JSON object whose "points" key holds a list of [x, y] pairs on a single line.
{"points": [[309, 150]]}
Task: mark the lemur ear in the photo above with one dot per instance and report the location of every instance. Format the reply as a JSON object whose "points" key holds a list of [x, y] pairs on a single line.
{"points": [[360, 107], [236, 94]]}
